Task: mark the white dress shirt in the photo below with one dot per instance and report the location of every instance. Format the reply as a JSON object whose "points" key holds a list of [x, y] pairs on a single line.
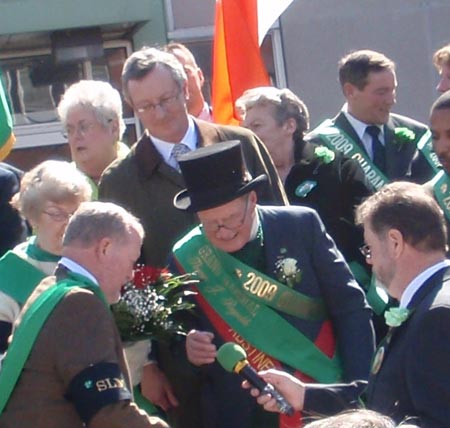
{"points": [[419, 280]]}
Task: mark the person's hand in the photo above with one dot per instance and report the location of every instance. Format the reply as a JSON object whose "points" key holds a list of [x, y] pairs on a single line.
{"points": [[292, 389], [156, 388], [199, 347]]}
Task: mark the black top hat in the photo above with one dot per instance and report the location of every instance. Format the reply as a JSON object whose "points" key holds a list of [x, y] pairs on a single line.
{"points": [[214, 175]]}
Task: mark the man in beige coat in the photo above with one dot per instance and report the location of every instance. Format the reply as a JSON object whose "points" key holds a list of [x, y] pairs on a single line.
{"points": [[75, 373]]}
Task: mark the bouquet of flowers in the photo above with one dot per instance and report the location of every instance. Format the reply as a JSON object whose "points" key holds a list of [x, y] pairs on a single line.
{"points": [[148, 304]]}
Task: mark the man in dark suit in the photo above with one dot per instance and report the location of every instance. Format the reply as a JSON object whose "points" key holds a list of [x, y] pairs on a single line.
{"points": [[387, 145], [155, 85], [13, 228], [405, 234], [290, 275]]}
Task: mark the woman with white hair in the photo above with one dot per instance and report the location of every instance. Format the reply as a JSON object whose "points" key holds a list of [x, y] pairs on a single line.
{"points": [[50, 193], [91, 113]]}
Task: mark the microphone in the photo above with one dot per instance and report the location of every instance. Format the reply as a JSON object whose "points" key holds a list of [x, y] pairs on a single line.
{"points": [[233, 358]]}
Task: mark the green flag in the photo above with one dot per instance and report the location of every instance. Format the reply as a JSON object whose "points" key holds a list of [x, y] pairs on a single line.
{"points": [[7, 138]]}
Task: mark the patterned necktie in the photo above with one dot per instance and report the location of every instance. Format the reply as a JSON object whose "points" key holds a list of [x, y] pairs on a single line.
{"points": [[178, 150], [377, 148]]}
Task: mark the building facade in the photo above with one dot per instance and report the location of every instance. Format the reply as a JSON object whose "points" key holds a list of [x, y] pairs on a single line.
{"points": [[45, 45]]}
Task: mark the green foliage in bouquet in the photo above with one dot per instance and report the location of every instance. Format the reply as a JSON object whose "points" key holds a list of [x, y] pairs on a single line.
{"points": [[148, 305]]}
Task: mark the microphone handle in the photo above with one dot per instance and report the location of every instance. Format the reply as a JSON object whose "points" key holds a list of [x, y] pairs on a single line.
{"points": [[250, 374]]}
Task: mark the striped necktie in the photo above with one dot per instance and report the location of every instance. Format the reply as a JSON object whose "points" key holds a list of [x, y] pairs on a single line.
{"points": [[178, 150]]}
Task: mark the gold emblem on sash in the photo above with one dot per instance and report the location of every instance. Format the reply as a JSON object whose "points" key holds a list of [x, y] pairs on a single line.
{"points": [[260, 287]]}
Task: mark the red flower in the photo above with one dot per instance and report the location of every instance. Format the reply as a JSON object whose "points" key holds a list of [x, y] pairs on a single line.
{"points": [[145, 275]]}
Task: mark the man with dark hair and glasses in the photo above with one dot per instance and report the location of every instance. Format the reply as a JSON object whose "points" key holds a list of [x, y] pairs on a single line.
{"points": [[272, 280]]}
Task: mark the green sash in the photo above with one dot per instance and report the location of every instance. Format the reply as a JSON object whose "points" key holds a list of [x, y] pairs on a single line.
{"points": [[337, 139], [37, 253], [29, 328], [425, 145], [376, 296], [18, 278], [227, 290], [441, 190]]}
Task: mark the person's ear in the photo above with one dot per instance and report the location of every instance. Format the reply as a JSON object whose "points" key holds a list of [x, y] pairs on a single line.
{"points": [[201, 76], [33, 223], [103, 248], [115, 128], [252, 198], [396, 242], [290, 125], [349, 90]]}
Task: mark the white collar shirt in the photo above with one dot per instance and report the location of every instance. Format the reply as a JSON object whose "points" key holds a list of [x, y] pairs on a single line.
{"points": [[414, 286], [76, 268]]}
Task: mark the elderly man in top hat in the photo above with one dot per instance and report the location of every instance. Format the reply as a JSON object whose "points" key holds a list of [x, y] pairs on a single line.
{"points": [[272, 281]]}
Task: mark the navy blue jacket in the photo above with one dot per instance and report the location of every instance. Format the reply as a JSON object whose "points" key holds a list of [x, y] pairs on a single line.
{"points": [[300, 232], [414, 378]]}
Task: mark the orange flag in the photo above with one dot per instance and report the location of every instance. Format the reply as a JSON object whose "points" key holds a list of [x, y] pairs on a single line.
{"points": [[237, 62]]}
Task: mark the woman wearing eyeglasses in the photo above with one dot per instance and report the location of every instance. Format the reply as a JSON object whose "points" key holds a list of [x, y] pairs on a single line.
{"points": [[50, 193], [91, 113]]}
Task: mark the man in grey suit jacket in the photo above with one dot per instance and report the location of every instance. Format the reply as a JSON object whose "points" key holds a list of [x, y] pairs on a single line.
{"points": [[400, 148], [405, 233]]}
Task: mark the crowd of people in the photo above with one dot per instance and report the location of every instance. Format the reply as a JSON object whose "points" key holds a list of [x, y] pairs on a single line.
{"points": [[322, 253]]}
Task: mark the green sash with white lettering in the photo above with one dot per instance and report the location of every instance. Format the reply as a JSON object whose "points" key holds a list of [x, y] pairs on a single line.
{"points": [[232, 288], [441, 190], [425, 146], [29, 328], [339, 140]]}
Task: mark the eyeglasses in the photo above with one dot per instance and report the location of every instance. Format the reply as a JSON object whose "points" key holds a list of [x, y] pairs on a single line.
{"points": [[366, 251], [232, 223], [164, 104], [83, 129], [58, 216]]}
